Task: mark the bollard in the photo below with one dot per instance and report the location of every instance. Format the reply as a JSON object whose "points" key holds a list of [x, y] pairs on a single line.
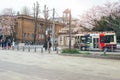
{"points": [[57, 51], [12, 47], [41, 50], [23, 48], [28, 49], [112, 48], [48, 50], [35, 49], [8, 47], [17, 47]]}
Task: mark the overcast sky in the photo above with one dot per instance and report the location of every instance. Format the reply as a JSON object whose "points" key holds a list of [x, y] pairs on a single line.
{"points": [[77, 6]]}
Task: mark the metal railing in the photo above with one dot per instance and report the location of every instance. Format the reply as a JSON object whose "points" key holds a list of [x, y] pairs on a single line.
{"points": [[31, 48]]}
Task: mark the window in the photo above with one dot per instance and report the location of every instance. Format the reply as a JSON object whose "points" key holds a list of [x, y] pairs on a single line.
{"points": [[26, 35], [86, 39], [109, 38], [41, 36], [60, 38], [83, 39], [32, 35]]}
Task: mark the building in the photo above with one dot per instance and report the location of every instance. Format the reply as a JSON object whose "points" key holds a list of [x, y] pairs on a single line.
{"points": [[21, 28], [26, 26], [64, 38]]}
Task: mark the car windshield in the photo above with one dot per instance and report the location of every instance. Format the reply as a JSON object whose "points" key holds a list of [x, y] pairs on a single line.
{"points": [[85, 39]]}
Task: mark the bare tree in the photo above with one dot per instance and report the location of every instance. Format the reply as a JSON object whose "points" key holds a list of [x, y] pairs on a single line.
{"points": [[36, 9], [25, 11], [46, 15], [8, 11]]}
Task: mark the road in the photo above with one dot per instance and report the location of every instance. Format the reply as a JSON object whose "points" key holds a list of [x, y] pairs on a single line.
{"points": [[18, 65]]}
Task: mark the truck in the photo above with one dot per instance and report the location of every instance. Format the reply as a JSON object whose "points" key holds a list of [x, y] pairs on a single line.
{"points": [[95, 41]]}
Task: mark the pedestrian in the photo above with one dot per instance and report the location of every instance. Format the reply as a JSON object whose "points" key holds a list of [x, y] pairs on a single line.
{"points": [[55, 45], [9, 43], [3, 44], [0, 42], [45, 45], [13, 43], [49, 46]]}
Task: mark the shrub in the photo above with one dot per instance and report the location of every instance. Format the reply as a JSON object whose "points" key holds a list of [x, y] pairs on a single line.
{"points": [[72, 51]]}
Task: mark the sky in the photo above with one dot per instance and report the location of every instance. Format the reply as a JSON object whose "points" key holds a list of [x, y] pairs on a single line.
{"points": [[77, 7]]}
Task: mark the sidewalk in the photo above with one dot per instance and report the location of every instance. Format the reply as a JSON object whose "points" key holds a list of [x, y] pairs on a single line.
{"points": [[92, 54]]}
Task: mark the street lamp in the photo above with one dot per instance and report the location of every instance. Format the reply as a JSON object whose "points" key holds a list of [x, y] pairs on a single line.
{"points": [[53, 29], [70, 29], [53, 25]]}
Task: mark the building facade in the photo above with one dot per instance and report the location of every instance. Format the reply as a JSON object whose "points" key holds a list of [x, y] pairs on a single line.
{"points": [[25, 29], [21, 29]]}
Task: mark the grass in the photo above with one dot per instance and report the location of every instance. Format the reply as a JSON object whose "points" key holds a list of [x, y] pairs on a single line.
{"points": [[73, 51]]}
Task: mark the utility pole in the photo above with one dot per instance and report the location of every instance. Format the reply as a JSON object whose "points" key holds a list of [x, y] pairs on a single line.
{"points": [[53, 29], [36, 12], [70, 29], [68, 21]]}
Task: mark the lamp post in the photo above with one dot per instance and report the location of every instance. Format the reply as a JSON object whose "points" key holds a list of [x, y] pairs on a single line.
{"points": [[47, 35], [53, 29], [70, 29]]}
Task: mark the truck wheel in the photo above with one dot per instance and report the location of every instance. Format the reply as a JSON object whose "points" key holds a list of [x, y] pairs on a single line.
{"points": [[83, 48]]}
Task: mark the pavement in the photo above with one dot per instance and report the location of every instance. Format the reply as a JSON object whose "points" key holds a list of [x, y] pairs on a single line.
{"points": [[19, 65], [40, 49]]}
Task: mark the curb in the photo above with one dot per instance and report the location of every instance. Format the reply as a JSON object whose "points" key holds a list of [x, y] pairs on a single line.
{"points": [[93, 56]]}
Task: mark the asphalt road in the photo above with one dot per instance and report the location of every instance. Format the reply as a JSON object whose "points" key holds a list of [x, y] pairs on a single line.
{"points": [[18, 65]]}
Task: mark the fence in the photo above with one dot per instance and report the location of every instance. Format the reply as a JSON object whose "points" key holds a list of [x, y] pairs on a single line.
{"points": [[31, 48]]}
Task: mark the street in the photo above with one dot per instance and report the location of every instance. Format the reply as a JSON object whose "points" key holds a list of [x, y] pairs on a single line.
{"points": [[18, 65]]}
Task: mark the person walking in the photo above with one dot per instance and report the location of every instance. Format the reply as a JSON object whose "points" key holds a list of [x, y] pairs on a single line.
{"points": [[13, 43], [49, 46], [3, 44], [9, 43], [55, 45], [45, 45]]}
